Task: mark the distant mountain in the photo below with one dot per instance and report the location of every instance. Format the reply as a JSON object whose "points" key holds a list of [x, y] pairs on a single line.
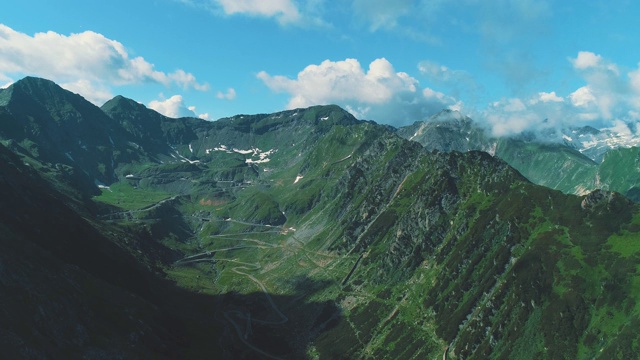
{"points": [[574, 164], [596, 143], [304, 234]]}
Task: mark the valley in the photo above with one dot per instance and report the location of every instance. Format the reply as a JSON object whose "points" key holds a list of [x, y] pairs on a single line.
{"points": [[303, 234]]}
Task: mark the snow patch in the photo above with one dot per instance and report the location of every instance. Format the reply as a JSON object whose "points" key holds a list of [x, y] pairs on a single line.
{"points": [[219, 148], [261, 161], [190, 148], [101, 185], [298, 178], [184, 159], [244, 152], [324, 118], [568, 138], [588, 145], [492, 149], [262, 156]]}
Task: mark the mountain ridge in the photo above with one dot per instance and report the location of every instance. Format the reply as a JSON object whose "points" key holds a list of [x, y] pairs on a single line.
{"points": [[310, 234]]}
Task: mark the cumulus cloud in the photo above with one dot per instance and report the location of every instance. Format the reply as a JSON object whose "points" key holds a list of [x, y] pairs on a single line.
{"points": [[584, 106], [378, 92], [607, 89], [174, 107], [549, 97], [229, 95], [582, 97], [585, 60], [610, 98], [85, 62]]}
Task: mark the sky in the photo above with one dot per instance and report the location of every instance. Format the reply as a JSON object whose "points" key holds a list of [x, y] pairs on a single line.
{"points": [[514, 65]]}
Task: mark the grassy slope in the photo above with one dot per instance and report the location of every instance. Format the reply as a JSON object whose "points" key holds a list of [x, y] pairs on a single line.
{"points": [[351, 242], [420, 251]]}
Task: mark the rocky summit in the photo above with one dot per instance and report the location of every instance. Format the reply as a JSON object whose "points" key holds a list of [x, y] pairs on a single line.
{"points": [[305, 234]]}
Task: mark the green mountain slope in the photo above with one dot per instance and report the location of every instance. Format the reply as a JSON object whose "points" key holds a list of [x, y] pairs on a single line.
{"points": [[310, 234], [620, 169], [551, 164]]}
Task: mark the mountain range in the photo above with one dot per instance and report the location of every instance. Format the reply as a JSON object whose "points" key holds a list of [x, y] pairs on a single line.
{"points": [[308, 234], [575, 161]]}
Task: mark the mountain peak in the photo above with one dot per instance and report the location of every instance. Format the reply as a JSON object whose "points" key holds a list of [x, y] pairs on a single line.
{"points": [[41, 91], [121, 103], [34, 85]]}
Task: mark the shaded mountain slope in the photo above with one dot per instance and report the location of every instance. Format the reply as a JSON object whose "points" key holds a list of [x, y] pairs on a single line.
{"points": [[76, 288]]}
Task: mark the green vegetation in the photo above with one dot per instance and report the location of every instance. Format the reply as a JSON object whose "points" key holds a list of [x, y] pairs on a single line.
{"points": [[127, 197], [348, 242]]}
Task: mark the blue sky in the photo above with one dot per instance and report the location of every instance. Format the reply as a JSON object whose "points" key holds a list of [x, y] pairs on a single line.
{"points": [[513, 64]]}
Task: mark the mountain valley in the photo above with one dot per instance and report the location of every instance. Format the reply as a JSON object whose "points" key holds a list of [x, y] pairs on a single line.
{"points": [[307, 234]]}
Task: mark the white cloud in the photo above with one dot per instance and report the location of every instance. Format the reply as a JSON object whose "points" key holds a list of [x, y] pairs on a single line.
{"points": [[582, 97], [204, 116], [83, 61], [380, 93], [6, 80], [229, 95], [285, 11], [173, 107], [620, 127], [634, 80], [606, 91], [94, 92], [341, 80], [382, 13], [549, 97], [586, 60], [505, 125], [609, 98], [514, 115], [514, 105], [539, 112]]}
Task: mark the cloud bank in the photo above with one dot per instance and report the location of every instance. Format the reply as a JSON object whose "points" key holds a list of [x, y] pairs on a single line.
{"points": [[379, 91], [87, 63], [609, 98]]}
